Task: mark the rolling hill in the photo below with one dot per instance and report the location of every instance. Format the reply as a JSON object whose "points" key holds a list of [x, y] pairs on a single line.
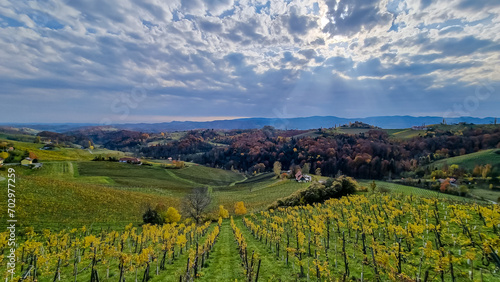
{"points": [[279, 123], [469, 161]]}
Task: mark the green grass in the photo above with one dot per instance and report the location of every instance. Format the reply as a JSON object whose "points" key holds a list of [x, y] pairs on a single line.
{"points": [[271, 268], [61, 154], [47, 202], [16, 137], [76, 193], [469, 161], [405, 133], [224, 263], [207, 176], [487, 194], [130, 176], [257, 195], [352, 130], [409, 190]]}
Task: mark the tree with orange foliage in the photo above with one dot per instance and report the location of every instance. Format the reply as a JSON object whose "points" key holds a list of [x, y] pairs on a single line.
{"points": [[33, 156], [444, 186]]}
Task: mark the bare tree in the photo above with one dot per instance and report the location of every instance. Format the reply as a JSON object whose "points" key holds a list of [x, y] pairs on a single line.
{"points": [[195, 203]]}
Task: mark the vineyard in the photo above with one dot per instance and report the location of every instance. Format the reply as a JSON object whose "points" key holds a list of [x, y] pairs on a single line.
{"points": [[356, 238]]}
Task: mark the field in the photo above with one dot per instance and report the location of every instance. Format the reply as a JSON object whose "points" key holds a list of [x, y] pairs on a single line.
{"points": [[86, 218], [60, 154], [409, 190], [378, 237], [103, 194], [405, 133], [469, 161]]}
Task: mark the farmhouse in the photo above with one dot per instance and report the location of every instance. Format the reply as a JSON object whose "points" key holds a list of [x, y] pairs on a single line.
{"points": [[419, 127], [302, 177], [130, 160], [27, 161]]}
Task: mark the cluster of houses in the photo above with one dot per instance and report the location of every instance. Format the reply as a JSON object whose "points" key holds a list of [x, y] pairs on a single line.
{"points": [[130, 160], [25, 162], [419, 127], [299, 177]]}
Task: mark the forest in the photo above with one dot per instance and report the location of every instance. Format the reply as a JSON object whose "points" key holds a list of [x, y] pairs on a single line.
{"points": [[373, 154]]}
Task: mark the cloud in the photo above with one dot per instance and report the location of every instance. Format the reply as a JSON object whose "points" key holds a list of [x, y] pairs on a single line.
{"points": [[245, 58], [455, 46], [350, 17], [299, 24]]}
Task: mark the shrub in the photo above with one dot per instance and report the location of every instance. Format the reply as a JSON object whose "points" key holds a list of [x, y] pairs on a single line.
{"points": [[151, 217], [223, 212], [172, 216], [318, 193], [239, 208], [384, 190], [362, 189]]}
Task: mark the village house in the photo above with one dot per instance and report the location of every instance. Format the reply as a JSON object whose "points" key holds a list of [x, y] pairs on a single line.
{"points": [[302, 177], [130, 160], [419, 127], [27, 161]]}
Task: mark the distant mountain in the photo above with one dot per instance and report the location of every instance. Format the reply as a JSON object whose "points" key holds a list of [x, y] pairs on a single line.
{"points": [[280, 123], [299, 123]]}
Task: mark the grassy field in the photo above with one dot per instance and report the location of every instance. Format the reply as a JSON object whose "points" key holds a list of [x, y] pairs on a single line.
{"points": [[207, 176], [469, 161], [56, 203], [61, 154], [78, 193], [405, 133], [84, 192], [257, 192], [409, 190]]}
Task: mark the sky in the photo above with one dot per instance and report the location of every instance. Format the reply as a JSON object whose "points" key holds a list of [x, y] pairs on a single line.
{"points": [[128, 61]]}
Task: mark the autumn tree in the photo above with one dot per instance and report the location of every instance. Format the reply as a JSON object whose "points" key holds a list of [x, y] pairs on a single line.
{"points": [[477, 170], [444, 186], [486, 170], [239, 208], [277, 168], [223, 212], [4, 155], [318, 171], [195, 203], [32, 156], [172, 215]]}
